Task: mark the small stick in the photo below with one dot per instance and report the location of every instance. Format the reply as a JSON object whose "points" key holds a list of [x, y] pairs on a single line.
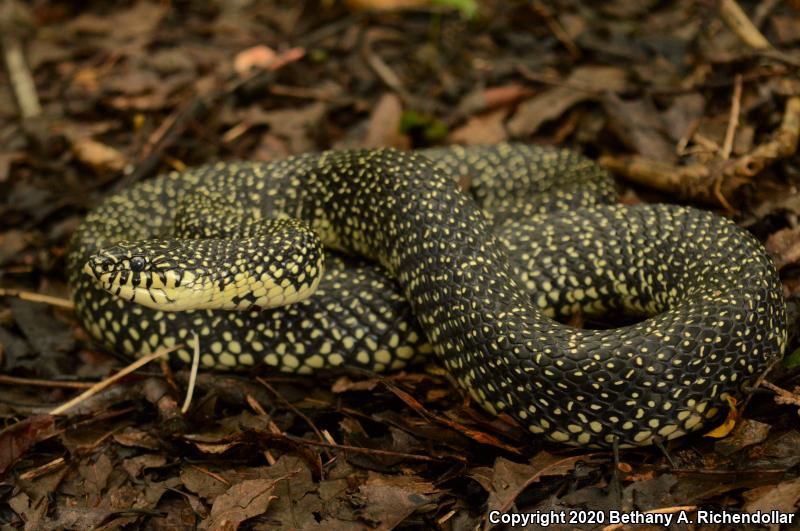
{"points": [[556, 29], [291, 406], [14, 55], [362, 450], [99, 386], [193, 374], [733, 120], [165, 136], [37, 297], [737, 21], [782, 395], [37, 382], [46, 468]]}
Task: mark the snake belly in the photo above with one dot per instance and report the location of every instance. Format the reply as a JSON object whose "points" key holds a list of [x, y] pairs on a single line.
{"points": [[479, 291]]}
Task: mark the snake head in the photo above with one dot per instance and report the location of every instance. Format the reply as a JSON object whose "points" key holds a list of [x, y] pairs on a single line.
{"points": [[280, 266], [141, 272]]}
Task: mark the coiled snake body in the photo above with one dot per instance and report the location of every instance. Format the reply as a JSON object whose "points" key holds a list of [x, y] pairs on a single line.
{"points": [[483, 288]]}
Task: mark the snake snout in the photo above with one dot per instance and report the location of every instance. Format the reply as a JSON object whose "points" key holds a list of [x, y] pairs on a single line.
{"points": [[98, 265]]}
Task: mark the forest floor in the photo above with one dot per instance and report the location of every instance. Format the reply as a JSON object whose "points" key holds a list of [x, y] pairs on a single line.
{"points": [[690, 102]]}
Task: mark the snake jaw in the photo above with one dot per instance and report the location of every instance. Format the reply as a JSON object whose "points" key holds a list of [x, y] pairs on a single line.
{"points": [[110, 281], [135, 273]]}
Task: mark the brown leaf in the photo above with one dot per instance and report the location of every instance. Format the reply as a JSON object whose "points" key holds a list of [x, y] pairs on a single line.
{"points": [[477, 435], [487, 99], [216, 447], [95, 474], [256, 57], [136, 465], [203, 483], [481, 129], [784, 446], [296, 125], [787, 27], [586, 82], [507, 479], [16, 439], [547, 106], [783, 497], [136, 438], [784, 246], [345, 384], [386, 5], [101, 157], [298, 498], [391, 499], [684, 113], [142, 18], [12, 243], [747, 433], [30, 511], [638, 124], [383, 128], [134, 81], [263, 57], [240, 502]]}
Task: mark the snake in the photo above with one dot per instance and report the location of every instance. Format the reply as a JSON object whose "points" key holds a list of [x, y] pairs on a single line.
{"points": [[476, 255]]}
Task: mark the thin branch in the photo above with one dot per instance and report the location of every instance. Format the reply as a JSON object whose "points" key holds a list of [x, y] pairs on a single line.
{"points": [[733, 120], [740, 24], [99, 386], [37, 297]]}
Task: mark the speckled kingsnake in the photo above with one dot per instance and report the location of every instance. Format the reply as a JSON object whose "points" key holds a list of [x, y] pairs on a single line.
{"points": [[484, 295]]}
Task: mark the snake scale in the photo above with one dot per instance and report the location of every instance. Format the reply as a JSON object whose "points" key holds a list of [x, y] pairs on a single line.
{"points": [[476, 280]]}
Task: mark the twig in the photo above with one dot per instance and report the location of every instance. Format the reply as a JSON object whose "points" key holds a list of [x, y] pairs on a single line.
{"points": [[158, 135], [310, 39], [212, 475], [547, 79], [362, 450], [712, 182], [763, 10], [37, 297], [162, 138], [99, 386], [310, 93], [783, 396], [11, 19], [382, 70], [720, 195], [385, 73], [737, 21], [783, 144], [733, 120], [192, 374], [757, 75], [46, 468], [556, 29], [37, 382], [292, 407], [21, 78]]}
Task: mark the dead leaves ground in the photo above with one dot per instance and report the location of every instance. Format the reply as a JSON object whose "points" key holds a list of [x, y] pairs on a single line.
{"points": [[683, 100]]}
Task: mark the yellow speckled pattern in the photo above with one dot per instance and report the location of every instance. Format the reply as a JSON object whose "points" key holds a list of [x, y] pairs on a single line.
{"points": [[479, 290]]}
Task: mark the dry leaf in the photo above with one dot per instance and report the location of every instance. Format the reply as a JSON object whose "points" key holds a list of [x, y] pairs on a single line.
{"points": [[101, 157]]}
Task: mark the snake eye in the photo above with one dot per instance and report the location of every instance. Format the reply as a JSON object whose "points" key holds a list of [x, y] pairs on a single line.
{"points": [[137, 264]]}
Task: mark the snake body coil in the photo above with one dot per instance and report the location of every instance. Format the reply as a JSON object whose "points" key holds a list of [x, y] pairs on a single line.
{"points": [[483, 289]]}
